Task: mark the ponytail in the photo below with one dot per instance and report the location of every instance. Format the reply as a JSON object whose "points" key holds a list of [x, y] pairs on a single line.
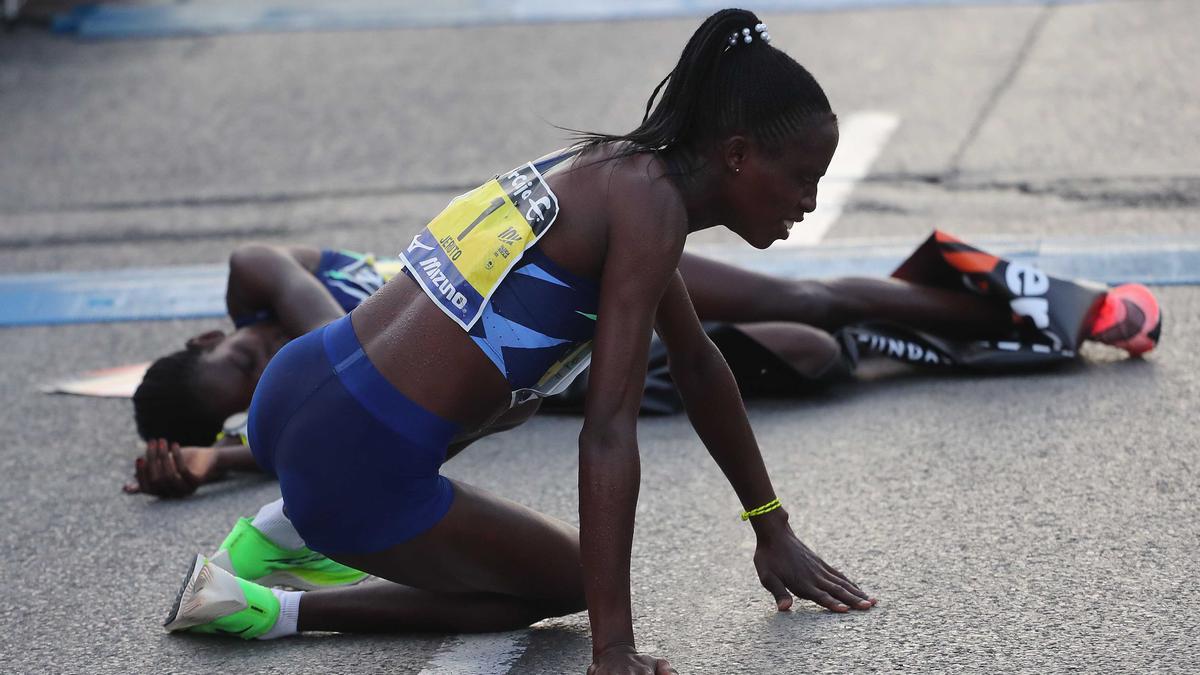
{"points": [[728, 80]]}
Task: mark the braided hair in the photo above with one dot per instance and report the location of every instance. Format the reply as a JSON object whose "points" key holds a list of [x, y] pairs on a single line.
{"points": [[723, 85]]}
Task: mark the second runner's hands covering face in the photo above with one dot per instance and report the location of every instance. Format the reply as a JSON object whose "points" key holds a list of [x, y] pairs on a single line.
{"points": [[167, 470]]}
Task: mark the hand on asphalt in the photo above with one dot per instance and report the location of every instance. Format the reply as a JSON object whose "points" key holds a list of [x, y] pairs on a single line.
{"points": [[786, 566], [624, 660]]}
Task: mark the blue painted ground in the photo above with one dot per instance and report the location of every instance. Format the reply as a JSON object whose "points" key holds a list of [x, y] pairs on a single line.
{"points": [[199, 291], [101, 20]]}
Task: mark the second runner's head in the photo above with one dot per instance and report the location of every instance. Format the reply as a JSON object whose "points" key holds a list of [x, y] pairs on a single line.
{"points": [[744, 121]]}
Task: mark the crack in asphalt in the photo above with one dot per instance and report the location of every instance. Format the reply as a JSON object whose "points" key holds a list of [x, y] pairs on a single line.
{"points": [[1169, 192], [1002, 86], [1179, 191], [143, 235], [242, 199], [1143, 191]]}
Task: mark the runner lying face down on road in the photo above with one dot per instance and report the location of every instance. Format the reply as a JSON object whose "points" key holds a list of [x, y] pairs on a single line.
{"points": [[355, 418], [276, 293], [779, 336]]}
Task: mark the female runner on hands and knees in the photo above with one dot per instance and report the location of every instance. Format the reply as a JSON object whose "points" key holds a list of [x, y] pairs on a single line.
{"points": [[356, 428], [742, 133]]}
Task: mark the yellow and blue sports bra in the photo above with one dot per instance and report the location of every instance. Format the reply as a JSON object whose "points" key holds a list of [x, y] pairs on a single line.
{"points": [[479, 263]]}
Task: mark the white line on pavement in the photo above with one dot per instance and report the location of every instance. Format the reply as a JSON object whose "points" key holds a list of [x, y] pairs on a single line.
{"points": [[863, 135], [492, 654]]}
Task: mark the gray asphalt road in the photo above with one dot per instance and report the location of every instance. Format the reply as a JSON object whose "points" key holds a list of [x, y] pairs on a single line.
{"points": [[1044, 522]]}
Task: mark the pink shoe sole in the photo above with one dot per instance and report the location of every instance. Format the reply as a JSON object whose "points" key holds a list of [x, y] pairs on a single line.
{"points": [[1130, 319]]}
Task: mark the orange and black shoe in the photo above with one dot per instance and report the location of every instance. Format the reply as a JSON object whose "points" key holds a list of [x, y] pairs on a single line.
{"points": [[1129, 319]]}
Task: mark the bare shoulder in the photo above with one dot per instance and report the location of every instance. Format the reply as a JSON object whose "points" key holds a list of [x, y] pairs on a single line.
{"points": [[638, 197], [608, 202]]}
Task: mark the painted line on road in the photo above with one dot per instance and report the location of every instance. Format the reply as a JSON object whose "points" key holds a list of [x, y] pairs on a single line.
{"points": [[492, 654], [199, 291], [862, 137], [147, 294]]}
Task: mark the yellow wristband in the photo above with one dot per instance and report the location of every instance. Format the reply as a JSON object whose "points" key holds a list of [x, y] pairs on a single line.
{"points": [[765, 508]]}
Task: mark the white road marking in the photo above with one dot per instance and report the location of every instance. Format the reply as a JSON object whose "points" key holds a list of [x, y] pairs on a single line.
{"points": [[491, 654], [863, 135]]}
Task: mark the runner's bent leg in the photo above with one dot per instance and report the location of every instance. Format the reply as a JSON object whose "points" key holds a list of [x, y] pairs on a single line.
{"points": [[384, 607], [492, 564], [809, 351]]}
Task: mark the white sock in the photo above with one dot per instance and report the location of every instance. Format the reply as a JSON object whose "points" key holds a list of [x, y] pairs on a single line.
{"points": [[272, 522], [289, 615]]}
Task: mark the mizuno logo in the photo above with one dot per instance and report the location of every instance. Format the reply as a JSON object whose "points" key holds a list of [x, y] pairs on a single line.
{"points": [[417, 243], [439, 282], [585, 314]]}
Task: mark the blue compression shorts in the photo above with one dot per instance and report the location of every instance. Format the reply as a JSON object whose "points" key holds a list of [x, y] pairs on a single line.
{"points": [[357, 461]]}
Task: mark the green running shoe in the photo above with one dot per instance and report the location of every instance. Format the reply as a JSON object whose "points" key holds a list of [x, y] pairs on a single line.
{"points": [[249, 554], [214, 601]]}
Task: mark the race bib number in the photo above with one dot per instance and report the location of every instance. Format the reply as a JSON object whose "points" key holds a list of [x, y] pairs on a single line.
{"points": [[464, 253]]}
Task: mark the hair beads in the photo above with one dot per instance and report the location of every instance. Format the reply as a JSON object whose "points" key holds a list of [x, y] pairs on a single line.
{"points": [[746, 36]]}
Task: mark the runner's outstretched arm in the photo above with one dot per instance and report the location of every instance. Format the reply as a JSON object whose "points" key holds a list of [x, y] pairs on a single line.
{"points": [[715, 409], [636, 270]]}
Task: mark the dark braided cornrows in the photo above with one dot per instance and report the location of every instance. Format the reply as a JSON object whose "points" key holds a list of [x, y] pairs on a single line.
{"points": [[718, 90]]}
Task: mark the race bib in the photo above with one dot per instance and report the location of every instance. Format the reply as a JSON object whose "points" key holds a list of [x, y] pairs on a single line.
{"points": [[464, 253]]}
